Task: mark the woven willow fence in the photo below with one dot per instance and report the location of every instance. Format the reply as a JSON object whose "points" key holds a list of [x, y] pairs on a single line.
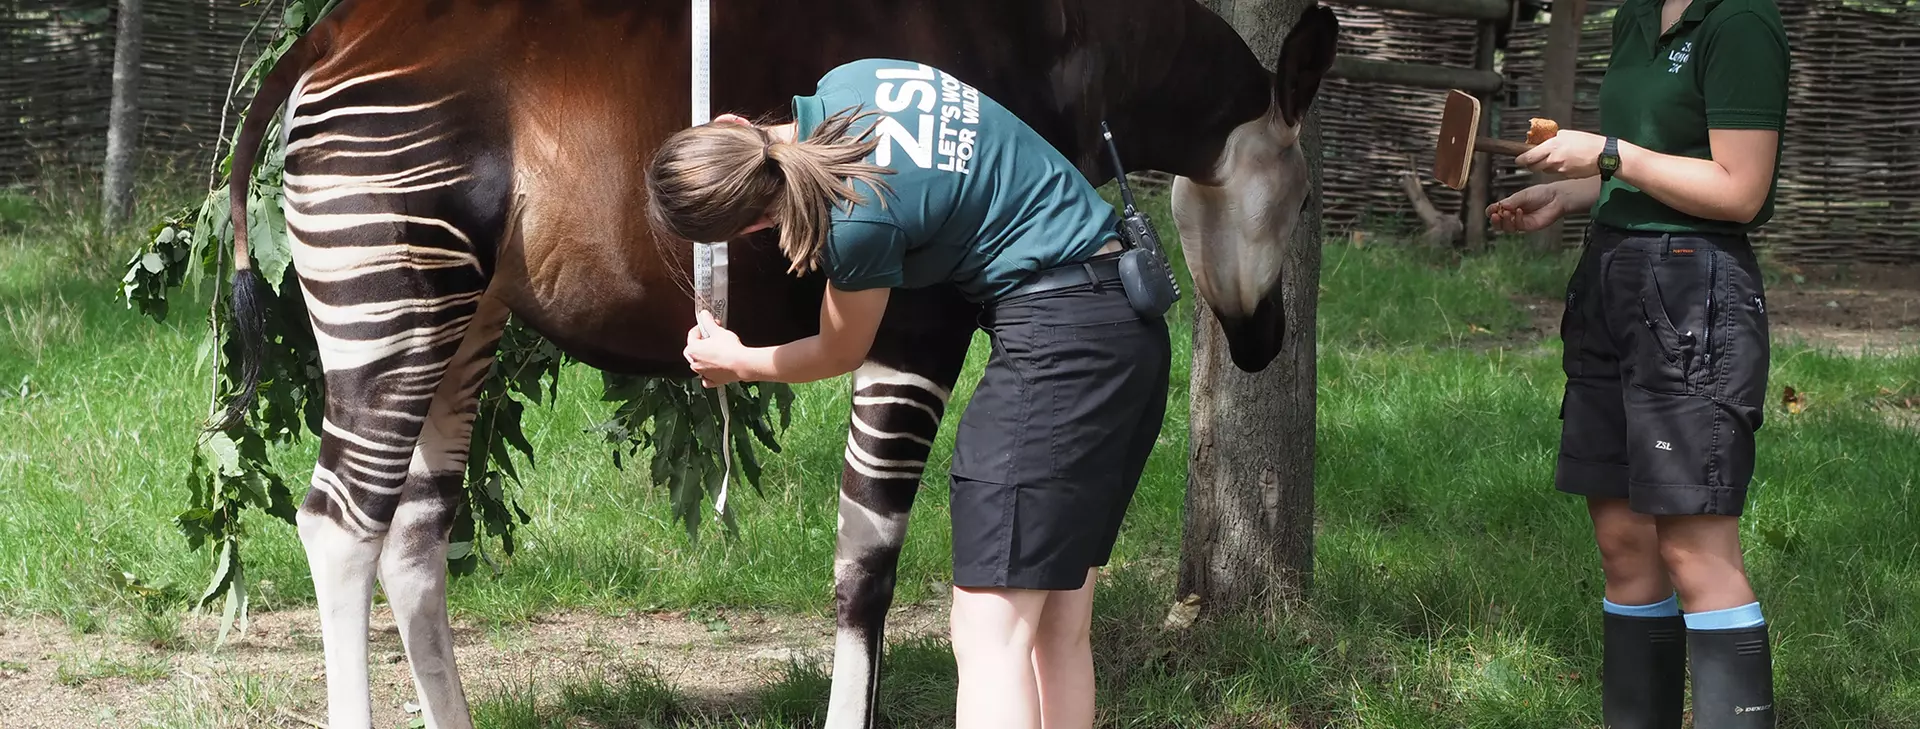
{"points": [[1372, 133], [1850, 173], [1850, 188], [56, 72]]}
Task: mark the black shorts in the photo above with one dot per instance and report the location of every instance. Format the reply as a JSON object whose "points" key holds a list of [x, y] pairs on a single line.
{"points": [[1055, 438], [1666, 360]]}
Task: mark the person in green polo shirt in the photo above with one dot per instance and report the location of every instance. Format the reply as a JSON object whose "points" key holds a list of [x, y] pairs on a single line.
{"points": [[1666, 347], [895, 174]]}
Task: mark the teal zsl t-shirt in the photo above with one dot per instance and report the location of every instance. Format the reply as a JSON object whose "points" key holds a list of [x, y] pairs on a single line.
{"points": [[977, 198]]}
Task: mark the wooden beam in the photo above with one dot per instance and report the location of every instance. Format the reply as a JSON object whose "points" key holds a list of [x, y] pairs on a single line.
{"points": [[1470, 9], [1416, 75]]}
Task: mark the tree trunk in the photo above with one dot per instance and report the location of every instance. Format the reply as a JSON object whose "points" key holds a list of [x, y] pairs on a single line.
{"points": [[1480, 184], [123, 123], [1249, 508], [1557, 89]]}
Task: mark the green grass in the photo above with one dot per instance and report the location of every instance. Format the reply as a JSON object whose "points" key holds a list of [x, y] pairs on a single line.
{"points": [[74, 671], [1454, 587]]}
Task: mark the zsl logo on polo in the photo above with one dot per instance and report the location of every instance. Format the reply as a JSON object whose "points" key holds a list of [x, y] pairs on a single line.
{"points": [[958, 119], [1679, 57]]}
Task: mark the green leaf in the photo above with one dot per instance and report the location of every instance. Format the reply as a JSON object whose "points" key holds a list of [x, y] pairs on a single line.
{"points": [[267, 240], [223, 575], [236, 607], [280, 504], [783, 394], [226, 455], [295, 16]]}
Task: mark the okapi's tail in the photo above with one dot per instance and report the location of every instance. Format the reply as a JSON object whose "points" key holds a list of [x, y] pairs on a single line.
{"points": [[249, 294]]}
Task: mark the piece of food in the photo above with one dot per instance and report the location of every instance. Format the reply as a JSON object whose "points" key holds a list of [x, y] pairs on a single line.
{"points": [[1540, 130]]}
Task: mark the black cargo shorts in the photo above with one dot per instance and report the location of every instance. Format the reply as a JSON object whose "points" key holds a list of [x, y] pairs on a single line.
{"points": [[1056, 436], [1666, 356]]}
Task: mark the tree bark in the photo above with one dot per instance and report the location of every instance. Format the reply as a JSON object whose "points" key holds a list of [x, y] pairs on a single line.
{"points": [[1249, 510], [1473, 215], [1557, 89], [123, 122]]}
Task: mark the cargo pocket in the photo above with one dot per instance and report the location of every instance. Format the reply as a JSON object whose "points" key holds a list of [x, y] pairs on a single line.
{"points": [[1743, 350], [1572, 325], [1670, 361], [1093, 377], [988, 438]]}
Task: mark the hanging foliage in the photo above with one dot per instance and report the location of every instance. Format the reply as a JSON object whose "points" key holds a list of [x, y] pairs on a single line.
{"points": [[231, 471]]}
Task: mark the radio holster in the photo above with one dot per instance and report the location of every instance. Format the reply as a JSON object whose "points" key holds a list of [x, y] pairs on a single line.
{"points": [[1145, 276]]}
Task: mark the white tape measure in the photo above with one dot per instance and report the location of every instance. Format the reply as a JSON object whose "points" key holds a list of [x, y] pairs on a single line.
{"points": [[710, 259]]}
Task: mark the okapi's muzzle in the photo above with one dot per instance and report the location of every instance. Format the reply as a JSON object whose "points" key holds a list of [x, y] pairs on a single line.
{"points": [[1255, 340]]}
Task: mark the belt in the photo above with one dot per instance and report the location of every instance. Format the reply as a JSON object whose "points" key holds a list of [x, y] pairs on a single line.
{"points": [[1104, 267], [1095, 271], [1606, 236]]}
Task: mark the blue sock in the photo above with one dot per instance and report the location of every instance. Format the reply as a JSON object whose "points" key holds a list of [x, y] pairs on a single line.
{"points": [[1664, 609], [1745, 616]]}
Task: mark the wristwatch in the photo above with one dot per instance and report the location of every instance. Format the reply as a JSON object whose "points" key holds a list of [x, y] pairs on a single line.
{"points": [[1609, 159]]}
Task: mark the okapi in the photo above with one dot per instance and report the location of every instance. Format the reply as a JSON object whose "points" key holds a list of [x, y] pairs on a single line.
{"points": [[451, 161]]}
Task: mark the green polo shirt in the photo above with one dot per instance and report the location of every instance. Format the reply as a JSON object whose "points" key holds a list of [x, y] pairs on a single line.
{"points": [[977, 198], [1723, 66]]}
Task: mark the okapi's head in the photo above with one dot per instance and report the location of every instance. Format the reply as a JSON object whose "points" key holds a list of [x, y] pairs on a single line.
{"points": [[1236, 221]]}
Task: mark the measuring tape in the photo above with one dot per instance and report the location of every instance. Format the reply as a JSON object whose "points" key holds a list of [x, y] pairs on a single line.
{"points": [[710, 259]]}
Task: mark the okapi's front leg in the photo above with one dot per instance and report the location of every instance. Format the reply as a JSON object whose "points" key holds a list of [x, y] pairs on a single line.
{"points": [[899, 398]]}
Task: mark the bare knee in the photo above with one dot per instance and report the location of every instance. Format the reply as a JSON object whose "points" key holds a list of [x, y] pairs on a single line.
{"points": [[1062, 639], [1703, 555], [995, 622], [1629, 553], [1066, 621]]}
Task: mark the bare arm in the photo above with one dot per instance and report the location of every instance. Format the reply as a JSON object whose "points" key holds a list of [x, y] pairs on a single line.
{"points": [[1538, 206], [1577, 195], [848, 323], [1732, 186]]}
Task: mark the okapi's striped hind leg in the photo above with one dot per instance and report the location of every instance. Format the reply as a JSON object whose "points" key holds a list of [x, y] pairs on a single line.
{"points": [[899, 398], [413, 567], [384, 497], [391, 203]]}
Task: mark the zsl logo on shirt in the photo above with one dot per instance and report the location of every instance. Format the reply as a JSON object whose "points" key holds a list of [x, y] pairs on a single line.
{"points": [[959, 117], [1679, 57]]}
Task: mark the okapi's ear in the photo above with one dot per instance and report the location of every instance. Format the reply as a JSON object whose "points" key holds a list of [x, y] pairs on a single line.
{"points": [[1304, 59]]}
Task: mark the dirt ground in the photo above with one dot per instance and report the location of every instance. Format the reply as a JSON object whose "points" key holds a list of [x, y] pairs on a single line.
{"points": [[1854, 310], [273, 676]]}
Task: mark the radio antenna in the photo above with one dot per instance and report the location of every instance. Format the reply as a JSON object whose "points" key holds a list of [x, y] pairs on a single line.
{"points": [[1119, 169]]}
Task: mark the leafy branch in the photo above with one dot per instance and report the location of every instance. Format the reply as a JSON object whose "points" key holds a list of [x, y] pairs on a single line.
{"points": [[231, 472]]}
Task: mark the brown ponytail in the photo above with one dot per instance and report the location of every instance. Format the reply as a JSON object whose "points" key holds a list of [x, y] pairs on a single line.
{"points": [[712, 181]]}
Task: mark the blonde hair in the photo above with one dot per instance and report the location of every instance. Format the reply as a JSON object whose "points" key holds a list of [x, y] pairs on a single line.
{"points": [[710, 182]]}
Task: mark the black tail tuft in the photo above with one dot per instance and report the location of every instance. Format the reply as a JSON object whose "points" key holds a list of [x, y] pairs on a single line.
{"points": [[250, 334]]}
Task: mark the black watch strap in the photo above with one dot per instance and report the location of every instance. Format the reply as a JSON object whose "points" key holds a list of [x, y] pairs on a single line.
{"points": [[1609, 158]]}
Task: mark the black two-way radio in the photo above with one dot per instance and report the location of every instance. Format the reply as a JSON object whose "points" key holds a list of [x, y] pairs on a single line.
{"points": [[1145, 276]]}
